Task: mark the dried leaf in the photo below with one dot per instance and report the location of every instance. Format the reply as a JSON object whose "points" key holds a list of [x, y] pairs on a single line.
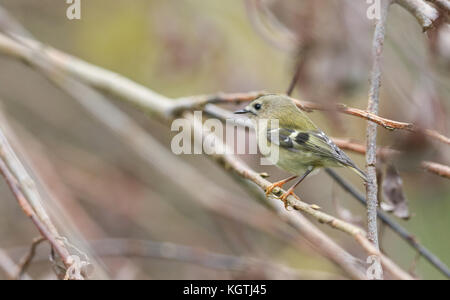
{"points": [[394, 197]]}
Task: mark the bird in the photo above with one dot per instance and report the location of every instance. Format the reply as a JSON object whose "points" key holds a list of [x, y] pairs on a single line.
{"points": [[302, 146]]}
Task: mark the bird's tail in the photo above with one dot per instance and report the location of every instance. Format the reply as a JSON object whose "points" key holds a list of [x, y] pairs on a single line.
{"points": [[360, 172]]}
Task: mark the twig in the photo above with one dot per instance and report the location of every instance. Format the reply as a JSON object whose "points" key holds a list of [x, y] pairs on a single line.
{"points": [[402, 232], [432, 167], [442, 4], [441, 170], [26, 207], [348, 144], [26, 260], [372, 107], [425, 14], [29, 199], [9, 266]]}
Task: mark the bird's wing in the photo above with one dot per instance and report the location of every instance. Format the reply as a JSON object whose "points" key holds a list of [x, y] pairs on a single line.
{"points": [[311, 141]]}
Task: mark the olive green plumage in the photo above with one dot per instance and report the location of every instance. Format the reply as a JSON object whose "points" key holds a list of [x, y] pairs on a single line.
{"points": [[302, 145]]}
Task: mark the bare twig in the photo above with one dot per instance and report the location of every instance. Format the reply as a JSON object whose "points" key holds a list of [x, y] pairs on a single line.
{"points": [[28, 197], [374, 94], [432, 167], [27, 208], [8, 266], [425, 14], [443, 6], [26, 260], [441, 170]]}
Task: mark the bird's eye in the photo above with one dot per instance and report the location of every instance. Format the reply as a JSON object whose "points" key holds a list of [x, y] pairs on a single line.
{"points": [[257, 106]]}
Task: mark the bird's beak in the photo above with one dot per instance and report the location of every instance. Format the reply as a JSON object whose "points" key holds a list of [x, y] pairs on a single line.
{"points": [[242, 111]]}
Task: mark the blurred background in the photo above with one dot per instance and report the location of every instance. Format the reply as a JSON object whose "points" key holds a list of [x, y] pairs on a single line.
{"points": [[104, 193]]}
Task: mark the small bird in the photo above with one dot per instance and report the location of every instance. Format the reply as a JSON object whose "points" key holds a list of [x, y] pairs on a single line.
{"points": [[303, 147]]}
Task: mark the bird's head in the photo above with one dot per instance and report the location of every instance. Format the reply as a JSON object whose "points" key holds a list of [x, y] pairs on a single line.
{"points": [[271, 106]]}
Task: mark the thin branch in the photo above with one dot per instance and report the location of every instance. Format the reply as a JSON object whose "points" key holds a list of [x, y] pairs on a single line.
{"points": [[385, 152], [8, 266], [441, 170], [26, 260], [28, 210], [349, 144], [425, 13], [372, 107], [442, 4]]}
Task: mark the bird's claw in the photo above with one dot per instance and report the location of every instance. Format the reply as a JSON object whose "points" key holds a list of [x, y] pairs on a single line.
{"points": [[285, 196], [271, 187]]}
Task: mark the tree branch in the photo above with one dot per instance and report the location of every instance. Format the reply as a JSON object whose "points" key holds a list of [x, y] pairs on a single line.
{"points": [[372, 107], [441, 170], [425, 14], [25, 192]]}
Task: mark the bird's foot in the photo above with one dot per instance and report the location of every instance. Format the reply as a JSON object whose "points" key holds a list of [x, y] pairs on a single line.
{"points": [[278, 184], [286, 195], [271, 187]]}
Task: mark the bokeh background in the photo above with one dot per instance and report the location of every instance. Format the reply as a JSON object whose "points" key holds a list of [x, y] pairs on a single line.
{"points": [[100, 189]]}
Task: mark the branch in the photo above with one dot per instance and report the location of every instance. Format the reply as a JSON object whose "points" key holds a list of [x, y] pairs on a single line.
{"points": [[26, 260], [441, 170], [385, 152], [442, 4], [425, 14], [9, 266], [26, 194], [372, 107]]}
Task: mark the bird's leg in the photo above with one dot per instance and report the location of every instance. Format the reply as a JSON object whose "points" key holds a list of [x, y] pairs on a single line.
{"points": [[290, 191], [279, 184]]}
